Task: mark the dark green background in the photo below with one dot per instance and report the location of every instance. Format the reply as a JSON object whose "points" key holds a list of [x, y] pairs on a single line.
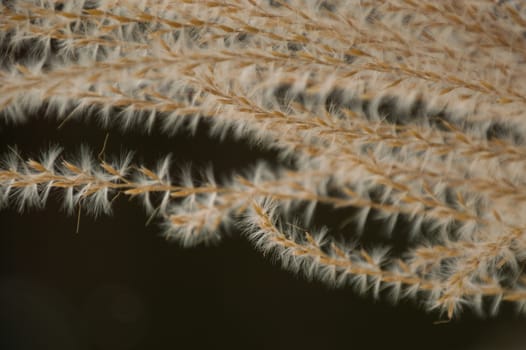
{"points": [[118, 285]]}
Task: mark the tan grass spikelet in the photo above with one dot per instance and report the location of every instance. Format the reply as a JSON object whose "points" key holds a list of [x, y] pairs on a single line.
{"points": [[393, 111]]}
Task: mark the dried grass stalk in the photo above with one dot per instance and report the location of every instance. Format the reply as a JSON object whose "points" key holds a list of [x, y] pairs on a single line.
{"points": [[408, 110]]}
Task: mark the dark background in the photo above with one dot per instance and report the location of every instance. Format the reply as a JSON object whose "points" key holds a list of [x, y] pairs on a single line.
{"points": [[117, 284]]}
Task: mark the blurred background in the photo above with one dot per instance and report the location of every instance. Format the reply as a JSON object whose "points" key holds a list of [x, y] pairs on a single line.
{"points": [[117, 284]]}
